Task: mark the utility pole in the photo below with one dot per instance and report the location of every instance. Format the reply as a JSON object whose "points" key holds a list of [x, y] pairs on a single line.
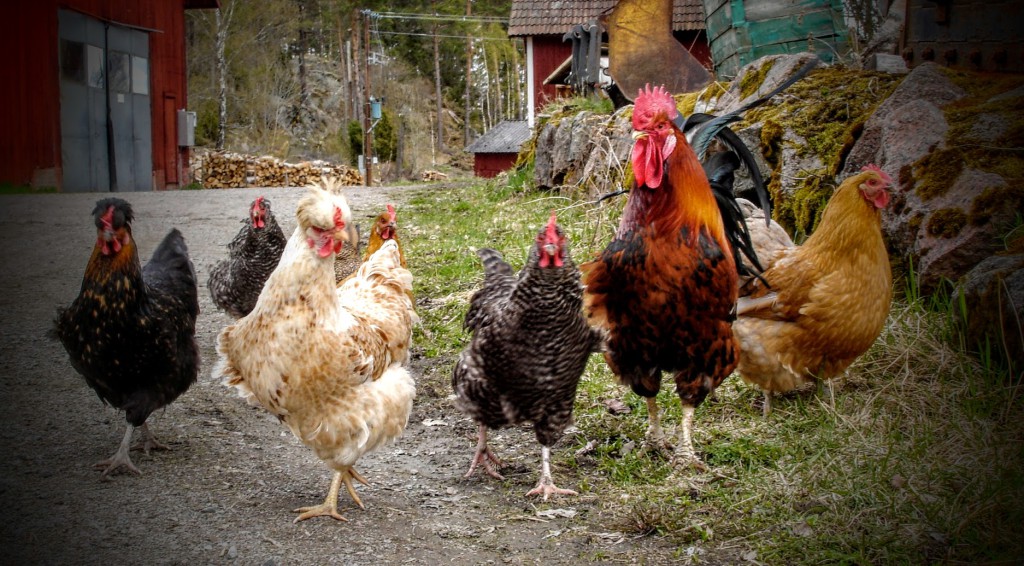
{"points": [[469, 76], [367, 134]]}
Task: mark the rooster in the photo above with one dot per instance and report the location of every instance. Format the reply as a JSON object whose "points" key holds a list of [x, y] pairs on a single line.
{"points": [[665, 288], [820, 305], [235, 282], [327, 361], [529, 348], [131, 330]]}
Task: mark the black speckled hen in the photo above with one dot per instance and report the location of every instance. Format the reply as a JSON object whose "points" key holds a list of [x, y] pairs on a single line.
{"points": [[131, 330], [235, 283], [529, 348]]}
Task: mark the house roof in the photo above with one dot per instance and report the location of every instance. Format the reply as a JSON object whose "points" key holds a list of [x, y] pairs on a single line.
{"points": [[544, 17], [505, 137]]}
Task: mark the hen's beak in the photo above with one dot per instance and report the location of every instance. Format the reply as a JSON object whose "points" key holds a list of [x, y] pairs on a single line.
{"points": [[638, 135], [550, 249]]}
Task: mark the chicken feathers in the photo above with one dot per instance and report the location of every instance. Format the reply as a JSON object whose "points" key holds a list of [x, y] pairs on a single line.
{"points": [[822, 304], [327, 361], [529, 348], [236, 281], [131, 331]]}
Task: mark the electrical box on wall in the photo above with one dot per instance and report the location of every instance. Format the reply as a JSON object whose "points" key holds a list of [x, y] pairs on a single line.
{"points": [[186, 128]]}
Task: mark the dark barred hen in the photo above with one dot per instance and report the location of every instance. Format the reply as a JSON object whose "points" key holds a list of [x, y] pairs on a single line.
{"points": [[131, 331], [529, 348], [235, 283]]}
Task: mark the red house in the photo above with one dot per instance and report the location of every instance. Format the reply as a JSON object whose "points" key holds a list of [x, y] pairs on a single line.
{"points": [[498, 149], [96, 93], [542, 24]]}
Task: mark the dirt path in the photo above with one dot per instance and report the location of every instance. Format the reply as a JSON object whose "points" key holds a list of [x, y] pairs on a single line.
{"points": [[224, 494]]}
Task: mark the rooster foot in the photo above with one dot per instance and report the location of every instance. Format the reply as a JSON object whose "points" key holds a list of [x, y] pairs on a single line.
{"points": [[149, 441], [685, 459]]}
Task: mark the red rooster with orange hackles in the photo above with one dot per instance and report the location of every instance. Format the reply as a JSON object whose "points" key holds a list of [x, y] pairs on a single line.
{"points": [[664, 290]]}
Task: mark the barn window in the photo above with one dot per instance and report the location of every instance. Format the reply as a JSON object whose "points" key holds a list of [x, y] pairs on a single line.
{"points": [[94, 66], [119, 71], [72, 61], [140, 75]]}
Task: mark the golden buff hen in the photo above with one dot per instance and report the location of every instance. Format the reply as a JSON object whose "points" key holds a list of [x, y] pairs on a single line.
{"points": [[825, 301], [327, 361]]}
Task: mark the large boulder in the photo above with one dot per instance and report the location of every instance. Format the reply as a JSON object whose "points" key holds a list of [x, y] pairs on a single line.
{"points": [[994, 299]]}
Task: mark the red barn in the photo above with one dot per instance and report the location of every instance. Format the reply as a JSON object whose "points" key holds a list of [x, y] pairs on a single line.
{"points": [[95, 94], [498, 149], [542, 24]]}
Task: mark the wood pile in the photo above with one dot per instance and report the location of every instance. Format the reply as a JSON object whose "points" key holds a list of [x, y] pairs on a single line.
{"points": [[430, 175], [224, 169]]}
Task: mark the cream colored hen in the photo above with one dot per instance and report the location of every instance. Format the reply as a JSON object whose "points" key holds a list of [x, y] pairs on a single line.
{"points": [[328, 361]]}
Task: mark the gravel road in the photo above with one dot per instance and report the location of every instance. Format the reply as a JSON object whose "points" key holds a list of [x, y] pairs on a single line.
{"points": [[225, 491]]}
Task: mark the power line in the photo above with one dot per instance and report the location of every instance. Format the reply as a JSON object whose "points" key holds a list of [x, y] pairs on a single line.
{"points": [[437, 17], [476, 38]]}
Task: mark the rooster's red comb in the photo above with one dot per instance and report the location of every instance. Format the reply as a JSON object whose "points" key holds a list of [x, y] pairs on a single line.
{"points": [[875, 168], [391, 211], [650, 101]]}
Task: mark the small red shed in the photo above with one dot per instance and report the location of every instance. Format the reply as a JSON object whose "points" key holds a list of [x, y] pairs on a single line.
{"points": [[96, 94], [498, 149]]}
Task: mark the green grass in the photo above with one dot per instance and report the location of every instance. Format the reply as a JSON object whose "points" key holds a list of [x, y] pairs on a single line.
{"points": [[10, 189], [919, 459]]}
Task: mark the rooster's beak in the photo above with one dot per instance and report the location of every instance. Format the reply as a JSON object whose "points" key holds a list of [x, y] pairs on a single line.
{"points": [[638, 135]]}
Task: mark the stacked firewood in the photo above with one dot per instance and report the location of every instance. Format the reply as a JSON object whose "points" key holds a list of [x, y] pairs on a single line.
{"points": [[430, 175], [226, 169]]}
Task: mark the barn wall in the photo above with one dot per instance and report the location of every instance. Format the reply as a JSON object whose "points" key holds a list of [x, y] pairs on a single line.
{"points": [[491, 164], [30, 106]]}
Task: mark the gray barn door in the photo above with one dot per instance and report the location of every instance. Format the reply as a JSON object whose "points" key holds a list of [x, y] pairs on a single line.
{"points": [[106, 133]]}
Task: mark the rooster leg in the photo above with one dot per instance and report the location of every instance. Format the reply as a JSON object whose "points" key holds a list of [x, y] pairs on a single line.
{"points": [[347, 477], [686, 454], [149, 442], [546, 486], [655, 434], [329, 508], [120, 458], [485, 456]]}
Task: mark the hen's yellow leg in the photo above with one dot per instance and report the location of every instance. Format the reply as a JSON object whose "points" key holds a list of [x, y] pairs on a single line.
{"points": [[328, 508], [347, 477]]}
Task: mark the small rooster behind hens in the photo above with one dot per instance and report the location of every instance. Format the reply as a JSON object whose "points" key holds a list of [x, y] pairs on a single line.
{"points": [[327, 361], [529, 348], [235, 282], [822, 304], [131, 331]]}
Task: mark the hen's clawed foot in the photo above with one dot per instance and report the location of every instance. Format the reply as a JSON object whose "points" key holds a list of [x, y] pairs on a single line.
{"points": [[323, 510], [685, 459], [329, 508], [484, 456], [548, 488], [149, 442], [347, 477], [120, 458]]}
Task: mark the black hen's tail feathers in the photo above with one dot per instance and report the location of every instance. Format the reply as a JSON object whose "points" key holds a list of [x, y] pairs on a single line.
{"points": [[170, 270]]}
